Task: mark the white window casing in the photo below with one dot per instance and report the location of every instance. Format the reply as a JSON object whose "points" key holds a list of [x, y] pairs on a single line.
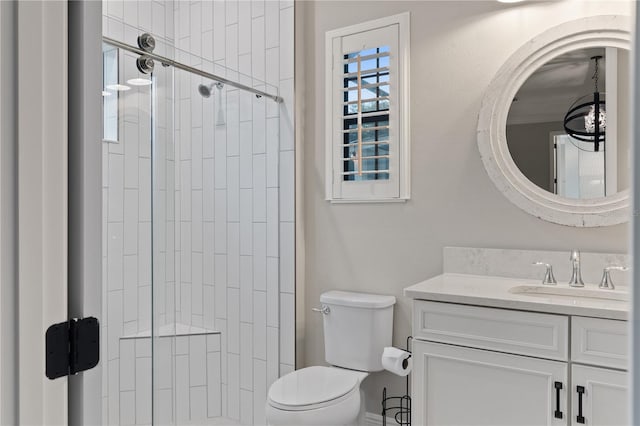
{"points": [[367, 111]]}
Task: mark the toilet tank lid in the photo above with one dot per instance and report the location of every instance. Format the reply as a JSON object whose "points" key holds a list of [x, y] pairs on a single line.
{"points": [[357, 300]]}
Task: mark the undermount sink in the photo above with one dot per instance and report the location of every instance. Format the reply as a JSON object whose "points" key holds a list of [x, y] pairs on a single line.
{"points": [[570, 293]]}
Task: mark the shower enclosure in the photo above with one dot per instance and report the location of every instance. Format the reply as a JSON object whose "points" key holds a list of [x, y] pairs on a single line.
{"points": [[198, 296]]}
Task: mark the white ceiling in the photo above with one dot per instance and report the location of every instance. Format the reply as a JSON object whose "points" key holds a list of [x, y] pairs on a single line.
{"points": [[550, 91]]}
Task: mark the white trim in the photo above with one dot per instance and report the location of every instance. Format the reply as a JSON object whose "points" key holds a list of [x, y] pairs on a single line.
{"points": [[375, 200], [401, 18], [610, 30], [42, 203], [553, 152], [404, 43], [403, 115], [328, 114], [299, 92], [634, 311], [3, 253]]}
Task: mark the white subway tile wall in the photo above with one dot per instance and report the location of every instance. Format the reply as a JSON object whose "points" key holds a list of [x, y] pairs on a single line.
{"points": [[222, 189]]}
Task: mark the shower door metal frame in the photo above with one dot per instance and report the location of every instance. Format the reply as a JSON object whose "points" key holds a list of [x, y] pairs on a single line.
{"points": [[171, 62]]}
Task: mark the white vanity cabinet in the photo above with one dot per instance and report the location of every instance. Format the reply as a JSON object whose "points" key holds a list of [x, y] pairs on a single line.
{"points": [[599, 395], [455, 385], [488, 366], [604, 394]]}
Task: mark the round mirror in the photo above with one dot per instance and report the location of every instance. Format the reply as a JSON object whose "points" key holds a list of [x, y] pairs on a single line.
{"points": [[551, 126], [554, 128]]}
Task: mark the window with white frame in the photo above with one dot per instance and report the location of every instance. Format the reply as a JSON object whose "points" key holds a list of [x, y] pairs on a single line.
{"points": [[367, 117]]}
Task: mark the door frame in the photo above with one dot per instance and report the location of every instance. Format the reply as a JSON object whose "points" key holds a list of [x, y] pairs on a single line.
{"points": [[634, 315], [8, 217], [42, 70], [85, 195]]}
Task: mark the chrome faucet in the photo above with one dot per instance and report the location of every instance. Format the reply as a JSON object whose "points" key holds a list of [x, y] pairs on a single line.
{"points": [[576, 275], [606, 282]]}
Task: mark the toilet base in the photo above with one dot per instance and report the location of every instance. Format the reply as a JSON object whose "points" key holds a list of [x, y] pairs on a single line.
{"points": [[348, 412]]}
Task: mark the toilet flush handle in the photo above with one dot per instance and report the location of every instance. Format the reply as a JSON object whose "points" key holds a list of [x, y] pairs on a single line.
{"points": [[325, 309]]}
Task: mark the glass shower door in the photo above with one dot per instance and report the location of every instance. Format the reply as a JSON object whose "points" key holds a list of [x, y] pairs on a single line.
{"points": [[191, 291], [225, 305], [163, 181], [186, 344], [161, 351], [127, 352]]}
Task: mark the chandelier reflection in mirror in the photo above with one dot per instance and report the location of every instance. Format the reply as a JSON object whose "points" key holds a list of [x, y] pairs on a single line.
{"points": [[580, 121], [590, 120]]}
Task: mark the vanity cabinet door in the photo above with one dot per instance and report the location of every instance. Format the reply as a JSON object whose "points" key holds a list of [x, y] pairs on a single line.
{"points": [[599, 396], [454, 385]]}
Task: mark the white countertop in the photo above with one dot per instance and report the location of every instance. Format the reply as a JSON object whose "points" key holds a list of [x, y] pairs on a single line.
{"points": [[482, 290]]}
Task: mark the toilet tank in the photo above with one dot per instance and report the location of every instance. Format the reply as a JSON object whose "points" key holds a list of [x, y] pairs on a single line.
{"points": [[357, 327]]}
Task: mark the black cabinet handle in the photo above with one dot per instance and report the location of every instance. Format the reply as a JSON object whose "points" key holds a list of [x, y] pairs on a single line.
{"points": [[579, 417], [558, 386]]}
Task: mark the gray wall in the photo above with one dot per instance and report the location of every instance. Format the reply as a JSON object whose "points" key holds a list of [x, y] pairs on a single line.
{"points": [[530, 149], [8, 214], [456, 49]]}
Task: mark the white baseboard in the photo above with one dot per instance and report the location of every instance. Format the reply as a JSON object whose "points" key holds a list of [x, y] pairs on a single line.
{"points": [[371, 419]]}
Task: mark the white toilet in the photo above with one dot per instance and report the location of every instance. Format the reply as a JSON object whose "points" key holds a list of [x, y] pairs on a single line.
{"points": [[357, 327]]}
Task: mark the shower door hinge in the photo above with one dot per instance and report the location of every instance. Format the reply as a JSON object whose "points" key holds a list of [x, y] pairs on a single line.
{"points": [[72, 346]]}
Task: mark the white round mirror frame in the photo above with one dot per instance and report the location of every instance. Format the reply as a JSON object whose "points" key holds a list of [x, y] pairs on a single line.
{"points": [[596, 31]]}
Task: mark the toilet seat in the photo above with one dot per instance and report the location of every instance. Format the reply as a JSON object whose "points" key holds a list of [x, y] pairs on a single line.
{"points": [[314, 387]]}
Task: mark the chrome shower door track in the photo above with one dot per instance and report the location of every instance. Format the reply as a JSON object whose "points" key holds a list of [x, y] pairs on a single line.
{"points": [[179, 65]]}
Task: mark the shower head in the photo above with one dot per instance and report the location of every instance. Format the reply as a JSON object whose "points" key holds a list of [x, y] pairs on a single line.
{"points": [[205, 89]]}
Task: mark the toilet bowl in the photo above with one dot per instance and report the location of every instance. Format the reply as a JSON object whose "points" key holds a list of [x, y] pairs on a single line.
{"points": [[316, 396]]}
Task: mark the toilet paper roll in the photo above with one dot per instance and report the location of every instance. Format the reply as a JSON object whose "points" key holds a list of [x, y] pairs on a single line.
{"points": [[397, 361]]}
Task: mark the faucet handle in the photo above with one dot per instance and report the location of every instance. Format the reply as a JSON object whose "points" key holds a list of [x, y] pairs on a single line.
{"points": [[606, 282], [548, 279]]}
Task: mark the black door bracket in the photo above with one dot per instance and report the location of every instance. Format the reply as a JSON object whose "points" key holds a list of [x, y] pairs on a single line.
{"points": [[72, 346]]}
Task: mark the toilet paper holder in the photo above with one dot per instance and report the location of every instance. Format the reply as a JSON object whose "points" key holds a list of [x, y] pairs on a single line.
{"points": [[399, 406]]}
